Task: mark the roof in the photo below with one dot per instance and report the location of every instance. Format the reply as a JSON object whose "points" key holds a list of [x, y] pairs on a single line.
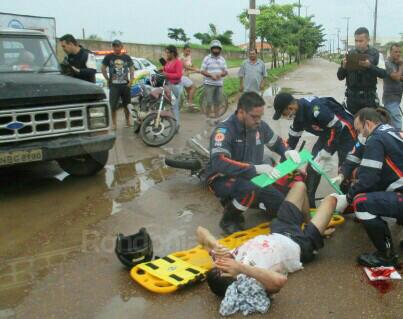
{"points": [[266, 46], [21, 32]]}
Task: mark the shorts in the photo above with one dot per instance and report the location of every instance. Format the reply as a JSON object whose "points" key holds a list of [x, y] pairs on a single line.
{"points": [[117, 93], [288, 223], [213, 94], [186, 82]]}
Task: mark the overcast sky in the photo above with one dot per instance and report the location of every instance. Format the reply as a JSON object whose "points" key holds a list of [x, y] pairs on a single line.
{"points": [[147, 21]]}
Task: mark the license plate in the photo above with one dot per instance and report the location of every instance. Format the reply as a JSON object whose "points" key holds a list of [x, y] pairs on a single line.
{"points": [[17, 157]]}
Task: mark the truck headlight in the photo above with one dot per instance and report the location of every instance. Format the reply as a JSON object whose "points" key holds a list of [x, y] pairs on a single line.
{"points": [[97, 117]]}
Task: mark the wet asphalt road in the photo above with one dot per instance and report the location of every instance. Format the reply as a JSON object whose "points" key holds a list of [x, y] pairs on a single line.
{"points": [[57, 235]]}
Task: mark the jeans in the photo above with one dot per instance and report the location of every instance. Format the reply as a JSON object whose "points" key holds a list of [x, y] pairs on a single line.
{"points": [[395, 113], [176, 90]]}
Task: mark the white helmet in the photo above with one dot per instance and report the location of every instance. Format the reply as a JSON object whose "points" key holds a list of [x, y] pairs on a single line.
{"points": [[215, 44]]}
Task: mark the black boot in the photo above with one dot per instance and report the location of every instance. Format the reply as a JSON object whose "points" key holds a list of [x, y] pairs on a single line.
{"points": [[378, 259], [312, 182], [379, 233], [232, 220]]}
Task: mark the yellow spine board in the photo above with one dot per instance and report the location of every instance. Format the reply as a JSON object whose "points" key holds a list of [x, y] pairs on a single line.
{"points": [[197, 257], [160, 281], [174, 270]]}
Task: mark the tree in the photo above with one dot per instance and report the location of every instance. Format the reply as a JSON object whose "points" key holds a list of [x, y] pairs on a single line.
{"points": [[286, 32], [94, 37], [213, 34], [177, 34]]}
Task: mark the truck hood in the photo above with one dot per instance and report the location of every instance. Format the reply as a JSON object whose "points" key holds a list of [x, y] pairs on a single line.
{"points": [[19, 90]]}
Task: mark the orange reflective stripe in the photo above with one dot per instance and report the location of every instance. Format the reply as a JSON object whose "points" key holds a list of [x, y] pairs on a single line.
{"points": [[350, 127], [244, 200], [251, 199], [393, 166], [332, 136], [230, 161]]}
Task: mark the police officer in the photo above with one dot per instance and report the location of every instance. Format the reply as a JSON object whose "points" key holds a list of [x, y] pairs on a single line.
{"points": [[323, 117], [378, 191], [236, 156], [361, 82], [80, 62]]}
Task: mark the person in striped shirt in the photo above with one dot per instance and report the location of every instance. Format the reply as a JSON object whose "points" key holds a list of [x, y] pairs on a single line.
{"points": [[214, 69]]}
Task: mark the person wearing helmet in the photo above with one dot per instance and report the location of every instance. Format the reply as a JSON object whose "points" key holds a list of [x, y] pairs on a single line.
{"points": [[214, 69], [323, 117]]}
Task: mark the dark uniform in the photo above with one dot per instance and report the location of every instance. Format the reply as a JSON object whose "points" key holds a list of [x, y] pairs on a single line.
{"points": [[327, 119], [361, 84], [351, 164], [379, 191], [234, 151], [84, 60], [353, 160]]}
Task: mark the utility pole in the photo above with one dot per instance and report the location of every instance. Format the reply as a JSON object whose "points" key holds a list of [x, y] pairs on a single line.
{"points": [[306, 11], [252, 25], [83, 34], [348, 21], [299, 8], [375, 20], [338, 40]]}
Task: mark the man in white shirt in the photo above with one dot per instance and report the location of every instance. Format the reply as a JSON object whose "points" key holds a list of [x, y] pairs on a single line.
{"points": [[268, 258]]}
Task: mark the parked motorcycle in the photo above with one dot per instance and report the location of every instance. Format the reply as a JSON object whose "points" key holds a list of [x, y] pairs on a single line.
{"points": [[151, 111]]}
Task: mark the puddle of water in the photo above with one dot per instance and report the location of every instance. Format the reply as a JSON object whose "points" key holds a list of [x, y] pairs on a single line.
{"points": [[47, 214], [129, 181], [123, 307]]}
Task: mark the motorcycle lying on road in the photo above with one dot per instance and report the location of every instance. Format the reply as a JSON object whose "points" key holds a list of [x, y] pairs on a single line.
{"points": [[194, 160], [151, 111]]}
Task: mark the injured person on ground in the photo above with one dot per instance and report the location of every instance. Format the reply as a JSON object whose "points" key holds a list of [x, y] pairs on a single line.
{"points": [[246, 276]]}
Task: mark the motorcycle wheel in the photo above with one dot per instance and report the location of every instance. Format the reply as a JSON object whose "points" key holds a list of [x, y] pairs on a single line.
{"points": [[183, 161], [157, 136], [136, 127]]}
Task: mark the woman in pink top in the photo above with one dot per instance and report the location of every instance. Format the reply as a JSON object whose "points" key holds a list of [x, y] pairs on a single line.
{"points": [[173, 71]]}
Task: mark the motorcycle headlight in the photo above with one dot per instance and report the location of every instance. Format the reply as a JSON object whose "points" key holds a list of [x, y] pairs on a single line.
{"points": [[97, 117]]}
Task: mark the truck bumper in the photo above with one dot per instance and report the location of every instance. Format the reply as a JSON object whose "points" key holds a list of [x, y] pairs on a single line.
{"points": [[63, 147]]}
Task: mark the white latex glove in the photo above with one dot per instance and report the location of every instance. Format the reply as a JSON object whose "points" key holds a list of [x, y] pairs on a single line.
{"points": [[322, 156], [269, 170], [293, 155], [338, 179], [341, 202]]}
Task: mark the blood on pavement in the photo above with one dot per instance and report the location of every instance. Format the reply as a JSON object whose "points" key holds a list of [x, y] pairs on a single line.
{"points": [[383, 286]]}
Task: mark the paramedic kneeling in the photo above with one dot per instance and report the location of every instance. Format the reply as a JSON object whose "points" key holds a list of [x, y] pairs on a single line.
{"points": [[236, 156], [378, 191]]}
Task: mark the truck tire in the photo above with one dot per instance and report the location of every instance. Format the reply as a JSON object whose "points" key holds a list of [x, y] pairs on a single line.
{"points": [[183, 161], [84, 165]]}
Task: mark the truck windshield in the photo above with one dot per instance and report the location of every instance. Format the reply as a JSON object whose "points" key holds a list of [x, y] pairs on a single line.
{"points": [[26, 54]]}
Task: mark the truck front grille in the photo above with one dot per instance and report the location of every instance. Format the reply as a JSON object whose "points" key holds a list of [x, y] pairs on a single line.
{"points": [[33, 123]]}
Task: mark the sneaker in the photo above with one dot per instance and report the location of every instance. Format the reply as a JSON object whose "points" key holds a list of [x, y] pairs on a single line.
{"points": [[377, 259]]}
